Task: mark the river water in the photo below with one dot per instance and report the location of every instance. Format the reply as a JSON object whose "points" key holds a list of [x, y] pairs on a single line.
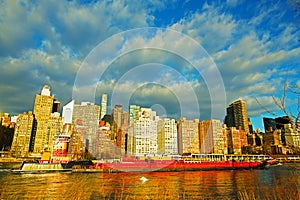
{"points": [[278, 182]]}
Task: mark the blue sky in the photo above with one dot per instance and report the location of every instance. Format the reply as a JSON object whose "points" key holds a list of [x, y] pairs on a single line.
{"points": [[251, 44]]}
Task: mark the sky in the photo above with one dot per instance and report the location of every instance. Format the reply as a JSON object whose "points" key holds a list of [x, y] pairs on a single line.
{"points": [[182, 58]]}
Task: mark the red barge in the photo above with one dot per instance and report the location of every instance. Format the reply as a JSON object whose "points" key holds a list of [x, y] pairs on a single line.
{"points": [[191, 163]]}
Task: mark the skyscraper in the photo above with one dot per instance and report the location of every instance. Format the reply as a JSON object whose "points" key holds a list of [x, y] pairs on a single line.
{"points": [[103, 105], [120, 125], [133, 111], [142, 136], [86, 120], [212, 139], [188, 136], [24, 134], [167, 137], [67, 113], [49, 124], [237, 115], [236, 139]]}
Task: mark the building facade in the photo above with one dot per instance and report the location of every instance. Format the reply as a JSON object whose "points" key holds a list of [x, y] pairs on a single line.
{"points": [[48, 120], [211, 137], [133, 111], [103, 105], [23, 135], [237, 140], [237, 115], [119, 128], [188, 136], [142, 136], [86, 124], [167, 137]]}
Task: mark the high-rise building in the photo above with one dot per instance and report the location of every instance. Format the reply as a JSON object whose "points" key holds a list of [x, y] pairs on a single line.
{"points": [[54, 129], [212, 139], [24, 134], [125, 128], [116, 121], [48, 123], [142, 136], [236, 139], [67, 113], [119, 128], [272, 142], [167, 137], [103, 105], [133, 111], [291, 136], [43, 104], [188, 136], [237, 115], [86, 124], [105, 147]]}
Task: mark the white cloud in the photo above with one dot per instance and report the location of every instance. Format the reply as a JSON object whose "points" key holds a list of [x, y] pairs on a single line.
{"points": [[210, 28], [27, 24], [39, 46]]}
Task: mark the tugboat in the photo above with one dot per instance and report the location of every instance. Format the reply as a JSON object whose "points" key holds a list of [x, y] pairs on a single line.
{"points": [[33, 167], [57, 162]]}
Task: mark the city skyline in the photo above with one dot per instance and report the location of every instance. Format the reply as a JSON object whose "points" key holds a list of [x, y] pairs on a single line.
{"points": [[141, 131], [253, 45], [61, 110]]}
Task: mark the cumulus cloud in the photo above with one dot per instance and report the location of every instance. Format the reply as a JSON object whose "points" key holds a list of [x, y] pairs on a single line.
{"points": [[252, 51], [40, 46], [78, 26]]}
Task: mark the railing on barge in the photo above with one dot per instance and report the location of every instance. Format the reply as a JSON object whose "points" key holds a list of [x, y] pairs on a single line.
{"points": [[288, 159], [227, 157]]}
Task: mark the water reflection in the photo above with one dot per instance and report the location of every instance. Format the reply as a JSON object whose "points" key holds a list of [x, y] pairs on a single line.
{"points": [[276, 183]]}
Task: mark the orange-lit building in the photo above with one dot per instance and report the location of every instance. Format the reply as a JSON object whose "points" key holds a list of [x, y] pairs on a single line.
{"points": [[237, 115], [211, 137], [24, 135], [49, 123], [188, 136]]}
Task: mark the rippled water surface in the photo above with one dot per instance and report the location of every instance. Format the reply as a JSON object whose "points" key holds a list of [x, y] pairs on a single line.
{"points": [[280, 182]]}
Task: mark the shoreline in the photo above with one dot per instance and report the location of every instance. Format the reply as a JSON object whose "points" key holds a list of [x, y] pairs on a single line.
{"points": [[279, 158]]}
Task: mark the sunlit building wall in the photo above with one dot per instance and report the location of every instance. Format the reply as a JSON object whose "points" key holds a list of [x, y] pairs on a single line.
{"points": [[212, 139], [86, 124], [271, 141], [188, 136], [143, 133], [120, 125], [24, 131], [292, 137], [48, 123], [125, 128], [236, 139], [106, 149], [237, 115], [133, 111], [167, 137], [117, 124], [54, 129], [103, 105]]}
